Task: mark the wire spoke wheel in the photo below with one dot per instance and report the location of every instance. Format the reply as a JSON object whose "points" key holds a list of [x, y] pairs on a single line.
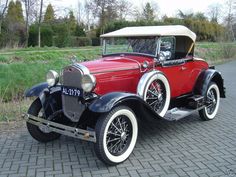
{"points": [[116, 134], [119, 135], [211, 100], [156, 95]]}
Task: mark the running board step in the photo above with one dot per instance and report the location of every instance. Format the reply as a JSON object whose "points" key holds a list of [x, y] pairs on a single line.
{"points": [[179, 113]]}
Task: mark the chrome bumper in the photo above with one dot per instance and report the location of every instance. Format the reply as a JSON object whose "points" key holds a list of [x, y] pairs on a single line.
{"points": [[62, 129]]}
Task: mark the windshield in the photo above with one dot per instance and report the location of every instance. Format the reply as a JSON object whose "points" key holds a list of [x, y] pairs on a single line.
{"points": [[141, 45]]}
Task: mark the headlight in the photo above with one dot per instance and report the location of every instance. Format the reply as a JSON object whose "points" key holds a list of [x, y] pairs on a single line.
{"points": [[52, 78], [88, 82]]}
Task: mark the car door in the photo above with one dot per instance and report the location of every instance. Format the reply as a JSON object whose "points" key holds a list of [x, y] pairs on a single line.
{"points": [[176, 69]]}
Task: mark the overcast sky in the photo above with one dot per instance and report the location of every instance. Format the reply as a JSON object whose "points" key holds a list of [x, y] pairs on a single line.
{"points": [[168, 7]]}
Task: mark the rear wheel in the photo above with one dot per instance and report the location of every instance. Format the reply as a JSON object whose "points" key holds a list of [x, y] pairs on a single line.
{"points": [[212, 102], [117, 133], [38, 133]]}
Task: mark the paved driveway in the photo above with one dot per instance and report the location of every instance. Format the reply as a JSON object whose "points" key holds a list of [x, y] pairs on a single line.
{"points": [[189, 147]]}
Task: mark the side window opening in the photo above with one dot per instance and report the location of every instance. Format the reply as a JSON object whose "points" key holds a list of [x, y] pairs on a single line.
{"points": [[167, 48], [184, 47]]}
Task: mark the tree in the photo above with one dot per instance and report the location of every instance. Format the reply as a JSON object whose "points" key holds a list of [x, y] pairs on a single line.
{"points": [[200, 16], [15, 24], [15, 13], [49, 14], [105, 10], [229, 19], [124, 8], [79, 30], [19, 12], [39, 22], [214, 12], [72, 22], [3, 8], [29, 11], [183, 15], [148, 13]]}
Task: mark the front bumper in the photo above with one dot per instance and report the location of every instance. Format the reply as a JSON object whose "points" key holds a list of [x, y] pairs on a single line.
{"points": [[86, 135]]}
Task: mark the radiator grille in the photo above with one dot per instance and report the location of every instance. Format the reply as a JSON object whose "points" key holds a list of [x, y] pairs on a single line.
{"points": [[72, 107]]}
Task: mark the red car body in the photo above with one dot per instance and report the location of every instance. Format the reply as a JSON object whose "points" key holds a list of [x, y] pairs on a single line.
{"points": [[145, 73], [122, 73]]}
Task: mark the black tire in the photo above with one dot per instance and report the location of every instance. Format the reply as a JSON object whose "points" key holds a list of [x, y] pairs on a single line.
{"points": [[34, 130], [209, 113], [126, 136]]}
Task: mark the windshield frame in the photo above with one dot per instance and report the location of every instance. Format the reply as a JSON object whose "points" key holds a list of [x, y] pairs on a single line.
{"points": [[157, 47]]}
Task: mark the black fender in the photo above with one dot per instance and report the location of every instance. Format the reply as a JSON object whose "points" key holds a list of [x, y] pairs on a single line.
{"points": [[107, 102], [50, 97], [204, 80], [36, 89]]}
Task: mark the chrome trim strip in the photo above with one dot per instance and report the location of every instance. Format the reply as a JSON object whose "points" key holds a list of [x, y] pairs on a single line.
{"points": [[62, 129], [83, 68]]}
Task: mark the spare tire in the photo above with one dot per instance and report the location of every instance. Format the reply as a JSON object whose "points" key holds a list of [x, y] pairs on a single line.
{"points": [[156, 92]]}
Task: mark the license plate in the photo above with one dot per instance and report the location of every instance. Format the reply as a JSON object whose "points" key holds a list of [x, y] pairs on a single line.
{"points": [[71, 91]]}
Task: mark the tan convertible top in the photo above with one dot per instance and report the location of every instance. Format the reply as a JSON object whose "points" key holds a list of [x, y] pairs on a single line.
{"points": [[170, 30]]}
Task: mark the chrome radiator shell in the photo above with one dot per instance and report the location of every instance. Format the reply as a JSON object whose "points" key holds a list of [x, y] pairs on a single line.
{"points": [[72, 106]]}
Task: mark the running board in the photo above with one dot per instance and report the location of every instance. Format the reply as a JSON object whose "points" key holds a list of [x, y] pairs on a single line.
{"points": [[179, 113], [62, 129]]}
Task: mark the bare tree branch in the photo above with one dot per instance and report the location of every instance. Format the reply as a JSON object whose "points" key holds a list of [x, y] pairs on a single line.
{"points": [[3, 10]]}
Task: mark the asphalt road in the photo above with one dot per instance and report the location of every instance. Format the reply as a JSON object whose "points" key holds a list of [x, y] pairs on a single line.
{"points": [[189, 147]]}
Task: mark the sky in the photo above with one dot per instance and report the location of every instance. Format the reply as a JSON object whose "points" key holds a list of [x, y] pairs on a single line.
{"points": [[168, 7]]}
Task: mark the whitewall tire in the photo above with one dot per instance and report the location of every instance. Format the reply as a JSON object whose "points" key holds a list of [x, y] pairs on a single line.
{"points": [[116, 134], [212, 102]]}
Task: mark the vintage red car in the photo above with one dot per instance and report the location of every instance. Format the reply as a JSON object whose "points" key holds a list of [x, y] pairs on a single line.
{"points": [[145, 73]]}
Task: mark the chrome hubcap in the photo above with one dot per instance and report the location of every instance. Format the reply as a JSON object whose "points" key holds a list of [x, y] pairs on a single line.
{"points": [[119, 135]]}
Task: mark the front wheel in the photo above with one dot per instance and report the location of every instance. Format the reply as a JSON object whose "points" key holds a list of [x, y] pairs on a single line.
{"points": [[212, 98], [36, 132], [116, 133]]}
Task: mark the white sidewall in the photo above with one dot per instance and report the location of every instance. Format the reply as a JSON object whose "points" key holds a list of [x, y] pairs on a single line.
{"points": [[215, 87], [162, 78], [125, 155]]}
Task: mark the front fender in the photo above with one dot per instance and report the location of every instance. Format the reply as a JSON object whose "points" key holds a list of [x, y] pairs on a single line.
{"points": [[106, 102], [204, 80], [36, 89], [44, 93]]}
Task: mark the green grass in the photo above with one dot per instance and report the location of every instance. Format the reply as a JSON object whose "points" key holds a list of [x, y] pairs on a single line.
{"points": [[20, 69], [215, 53]]}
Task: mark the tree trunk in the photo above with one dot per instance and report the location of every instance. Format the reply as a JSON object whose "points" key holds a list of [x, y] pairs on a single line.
{"points": [[1, 26], [2, 15], [39, 25]]}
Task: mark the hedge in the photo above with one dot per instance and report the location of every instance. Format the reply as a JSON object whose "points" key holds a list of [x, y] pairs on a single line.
{"points": [[71, 41]]}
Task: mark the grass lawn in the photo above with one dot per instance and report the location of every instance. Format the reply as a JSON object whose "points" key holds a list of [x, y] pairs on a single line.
{"points": [[22, 68]]}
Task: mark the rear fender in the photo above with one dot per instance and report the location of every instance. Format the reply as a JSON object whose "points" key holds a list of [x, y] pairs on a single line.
{"points": [[107, 102], [204, 80]]}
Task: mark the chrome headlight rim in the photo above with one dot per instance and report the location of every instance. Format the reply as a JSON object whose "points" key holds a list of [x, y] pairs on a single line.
{"points": [[86, 80], [52, 78]]}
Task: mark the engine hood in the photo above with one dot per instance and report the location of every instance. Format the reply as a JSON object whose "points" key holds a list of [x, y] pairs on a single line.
{"points": [[115, 63]]}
